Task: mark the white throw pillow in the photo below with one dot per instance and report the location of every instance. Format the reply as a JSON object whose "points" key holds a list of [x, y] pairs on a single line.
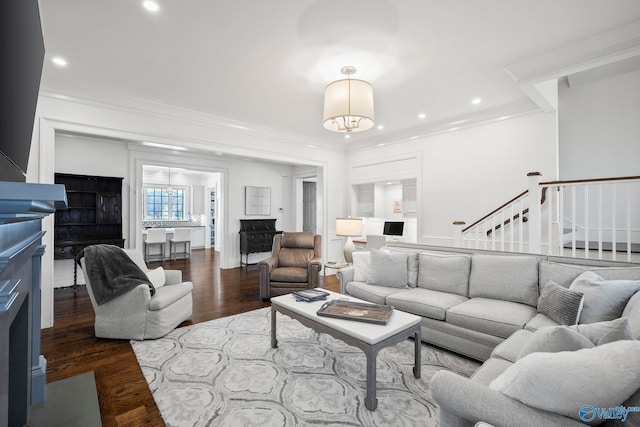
{"points": [[603, 377], [605, 332], [156, 277], [603, 299], [361, 266], [388, 269]]}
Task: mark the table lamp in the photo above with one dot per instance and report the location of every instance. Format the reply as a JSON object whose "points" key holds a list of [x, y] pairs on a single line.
{"points": [[349, 227]]}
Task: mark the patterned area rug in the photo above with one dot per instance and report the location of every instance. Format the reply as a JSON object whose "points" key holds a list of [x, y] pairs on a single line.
{"points": [[225, 373]]}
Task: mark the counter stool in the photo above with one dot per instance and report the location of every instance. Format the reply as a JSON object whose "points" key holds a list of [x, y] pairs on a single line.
{"points": [[155, 236], [180, 235]]}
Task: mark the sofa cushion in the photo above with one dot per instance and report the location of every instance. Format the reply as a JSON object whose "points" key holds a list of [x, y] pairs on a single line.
{"points": [[374, 294], [289, 274], [490, 370], [552, 339], [632, 312], [560, 304], [509, 349], [425, 302], [361, 266], [388, 269], [565, 274], [564, 382], [167, 295], [539, 321], [603, 299], [493, 317], [445, 273], [605, 332], [503, 277]]}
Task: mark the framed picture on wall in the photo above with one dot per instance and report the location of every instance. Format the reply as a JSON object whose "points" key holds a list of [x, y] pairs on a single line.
{"points": [[257, 200], [397, 206]]}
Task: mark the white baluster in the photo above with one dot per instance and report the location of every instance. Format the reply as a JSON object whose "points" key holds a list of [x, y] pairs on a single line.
{"points": [[502, 230], [629, 221], [521, 216], [561, 220], [550, 220], [513, 224], [573, 221], [586, 221], [600, 221], [614, 232]]}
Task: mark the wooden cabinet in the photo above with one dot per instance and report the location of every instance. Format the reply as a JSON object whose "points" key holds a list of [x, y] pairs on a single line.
{"points": [[94, 214]]}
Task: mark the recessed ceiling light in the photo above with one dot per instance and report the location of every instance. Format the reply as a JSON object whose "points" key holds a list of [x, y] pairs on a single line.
{"points": [[382, 144], [151, 5], [380, 127], [414, 137], [167, 146], [311, 146], [453, 129], [503, 117], [422, 115], [347, 136], [218, 153], [476, 101], [59, 61]]}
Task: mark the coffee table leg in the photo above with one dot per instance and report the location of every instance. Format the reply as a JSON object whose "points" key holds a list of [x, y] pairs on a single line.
{"points": [[274, 341], [418, 355], [370, 401]]}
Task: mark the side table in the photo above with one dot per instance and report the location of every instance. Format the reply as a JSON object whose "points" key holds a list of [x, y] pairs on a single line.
{"points": [[335, 265]]}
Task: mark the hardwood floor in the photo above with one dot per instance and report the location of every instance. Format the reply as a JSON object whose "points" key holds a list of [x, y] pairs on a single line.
{"points": [[71, 348]]}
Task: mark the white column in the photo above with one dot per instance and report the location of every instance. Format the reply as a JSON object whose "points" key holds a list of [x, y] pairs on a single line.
{"points": [[458, 226]]}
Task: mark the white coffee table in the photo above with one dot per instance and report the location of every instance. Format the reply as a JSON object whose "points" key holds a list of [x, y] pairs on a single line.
{"points": [[368, 337]]}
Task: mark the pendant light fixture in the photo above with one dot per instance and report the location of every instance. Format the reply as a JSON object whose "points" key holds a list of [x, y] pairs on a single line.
{"points": [[348, 104]]}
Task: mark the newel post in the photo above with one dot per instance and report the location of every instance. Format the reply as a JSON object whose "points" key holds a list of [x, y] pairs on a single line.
{"points": [[535, 212], [458, 226]]}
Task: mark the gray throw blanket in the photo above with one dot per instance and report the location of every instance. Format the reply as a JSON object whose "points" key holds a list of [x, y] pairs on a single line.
{"points": [[111, 272]]}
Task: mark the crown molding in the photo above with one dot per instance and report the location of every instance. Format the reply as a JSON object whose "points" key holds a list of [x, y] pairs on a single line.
{"points": [[451, 124], [70, 92]]}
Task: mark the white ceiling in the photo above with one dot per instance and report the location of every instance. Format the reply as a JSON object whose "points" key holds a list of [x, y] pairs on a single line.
{"points": [[266, 63]]}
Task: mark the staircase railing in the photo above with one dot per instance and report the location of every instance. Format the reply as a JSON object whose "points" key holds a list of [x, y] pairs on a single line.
{"points": [[582, 216]]}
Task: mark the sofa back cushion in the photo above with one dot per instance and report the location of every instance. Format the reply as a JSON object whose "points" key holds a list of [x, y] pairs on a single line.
{"points": [[565, 274], [445, 273], [412, 258], [503, 277], [295, 257], [361, 266]]}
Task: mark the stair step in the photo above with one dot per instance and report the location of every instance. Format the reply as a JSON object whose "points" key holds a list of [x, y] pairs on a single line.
{"points": [[606, 246]]}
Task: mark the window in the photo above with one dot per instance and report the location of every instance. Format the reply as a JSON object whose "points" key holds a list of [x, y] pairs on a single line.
{"points": [[162, 204]]}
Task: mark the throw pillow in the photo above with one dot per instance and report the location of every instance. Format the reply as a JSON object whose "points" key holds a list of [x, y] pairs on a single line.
{"points": [[560, 304], [605, 332], [361, 266], [603, 377], [603, 299], [552, 339], [388, 269], [156, 277]]}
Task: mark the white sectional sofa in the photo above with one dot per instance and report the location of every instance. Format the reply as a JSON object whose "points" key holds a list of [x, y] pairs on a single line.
{"points": [[487, 305]]}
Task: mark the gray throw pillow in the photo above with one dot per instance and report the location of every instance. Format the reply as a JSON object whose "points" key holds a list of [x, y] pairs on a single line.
{"points": [[605, 332], [552, 339], [603, 299], [560, 304], [388, 269]]}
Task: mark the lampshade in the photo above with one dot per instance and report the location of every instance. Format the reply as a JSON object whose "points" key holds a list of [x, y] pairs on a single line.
{"points": [[348, 227], [348, 104]]}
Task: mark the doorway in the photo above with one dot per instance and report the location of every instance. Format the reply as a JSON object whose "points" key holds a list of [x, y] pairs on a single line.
{"points": [[309, 206]]}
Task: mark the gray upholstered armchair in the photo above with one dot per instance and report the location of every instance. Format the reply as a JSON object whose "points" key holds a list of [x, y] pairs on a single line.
{"points": [[294, 264], [138, 315]]}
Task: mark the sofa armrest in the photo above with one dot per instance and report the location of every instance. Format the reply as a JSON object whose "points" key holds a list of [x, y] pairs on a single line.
{"points": [[264, 275], [475, 402], [172, 277], [345, 275]]}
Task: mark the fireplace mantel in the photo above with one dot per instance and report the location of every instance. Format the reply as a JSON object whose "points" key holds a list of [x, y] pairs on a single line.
{"points": [[22, 367]]}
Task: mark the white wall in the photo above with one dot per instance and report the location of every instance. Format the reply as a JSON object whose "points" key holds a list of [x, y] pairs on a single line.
{"points": [[465, 174], [205, 136], [599, 128]]}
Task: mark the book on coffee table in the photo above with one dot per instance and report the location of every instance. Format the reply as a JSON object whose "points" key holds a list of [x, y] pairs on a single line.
{"points": [[310, 295], [361, 312]]}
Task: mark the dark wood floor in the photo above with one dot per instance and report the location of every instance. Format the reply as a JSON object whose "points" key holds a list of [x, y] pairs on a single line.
{"points": [[71, 348]]}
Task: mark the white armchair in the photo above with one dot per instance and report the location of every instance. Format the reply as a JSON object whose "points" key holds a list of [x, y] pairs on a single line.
{"points": [[138, 315]]}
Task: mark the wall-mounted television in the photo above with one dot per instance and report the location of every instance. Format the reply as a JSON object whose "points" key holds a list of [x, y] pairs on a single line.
{"points": [[393, 228], [22, 50]]}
